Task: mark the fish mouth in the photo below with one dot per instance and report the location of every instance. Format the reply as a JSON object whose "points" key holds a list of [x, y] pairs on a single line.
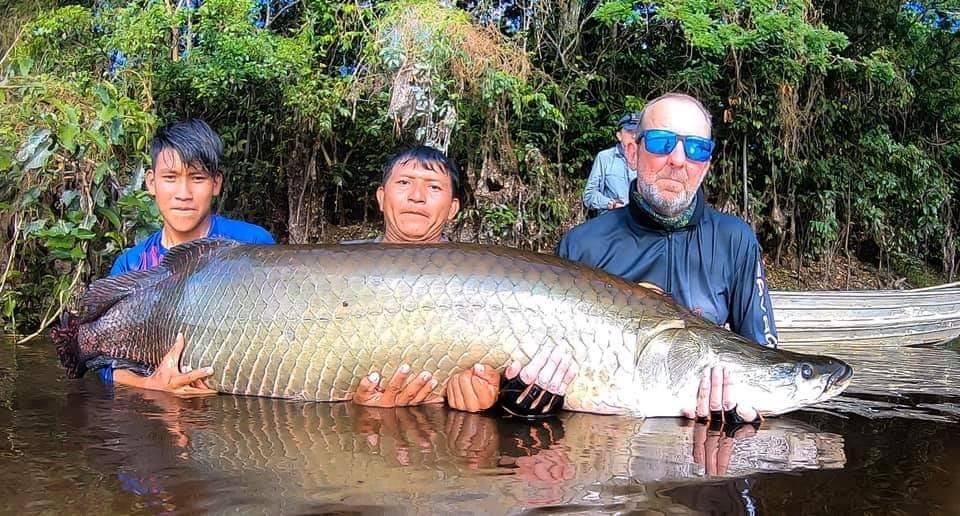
{"points": [[840, 378]]}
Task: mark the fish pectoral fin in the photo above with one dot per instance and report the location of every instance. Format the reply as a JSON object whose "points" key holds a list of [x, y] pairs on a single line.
{"points": [[672, 324], [667, 356], [647, 337]]}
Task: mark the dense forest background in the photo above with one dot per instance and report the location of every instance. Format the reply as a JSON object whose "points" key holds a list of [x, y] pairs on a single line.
{"points": [[838, 122]]}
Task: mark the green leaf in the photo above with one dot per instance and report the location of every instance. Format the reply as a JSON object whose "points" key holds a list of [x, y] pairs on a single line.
{"points": [[100, 172], [60, 242], [84, 234], [68, 196], [68, 134], [34, 227], [38, 160]]}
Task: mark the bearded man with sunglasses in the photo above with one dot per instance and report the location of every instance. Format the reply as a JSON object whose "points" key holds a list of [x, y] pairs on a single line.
{"points": [[669, 239]]}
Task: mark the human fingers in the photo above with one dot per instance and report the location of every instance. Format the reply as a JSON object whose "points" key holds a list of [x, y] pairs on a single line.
{"points": [[747, 414], [553, 365], [395, 385], [716, 389], [559, 378], [182, 380], [530, 371], [485, 382], [189, 391], [730, 401], [454, 396], [368, 389], [425, 391], [568, 378], [512, 370], [201, 384], [170, 363], [409, 392], [467, 392], [399, 379], [561, 390], [703, 398], [487, 374], [178, 344], [729, 391]]}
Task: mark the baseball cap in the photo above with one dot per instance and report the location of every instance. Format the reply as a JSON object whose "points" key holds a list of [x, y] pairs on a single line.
{"points": [[630, 122]]}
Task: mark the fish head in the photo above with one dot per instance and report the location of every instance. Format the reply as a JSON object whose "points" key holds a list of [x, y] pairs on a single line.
{"points": [[777, 381]]}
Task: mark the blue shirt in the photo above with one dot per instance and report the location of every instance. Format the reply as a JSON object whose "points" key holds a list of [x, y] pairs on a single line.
{"points": [[712, 265], [609, 179], [150, 252]]}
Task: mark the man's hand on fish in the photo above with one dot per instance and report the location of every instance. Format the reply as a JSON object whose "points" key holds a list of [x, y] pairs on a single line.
{"points": [[541, 386], [167, 376], [475, 389], [545, 380], [717, 400], [376, 391]]}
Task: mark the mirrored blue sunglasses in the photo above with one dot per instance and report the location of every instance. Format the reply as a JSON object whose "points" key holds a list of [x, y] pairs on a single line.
{"points": [[662, 142]]}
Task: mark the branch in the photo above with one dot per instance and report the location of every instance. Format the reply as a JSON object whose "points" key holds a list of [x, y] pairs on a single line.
{"points": [[277, 14], [13, 250], [11, 47], [64, 296]]}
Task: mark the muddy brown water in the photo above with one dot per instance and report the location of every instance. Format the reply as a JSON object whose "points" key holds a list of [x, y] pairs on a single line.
{"points": [[888, 446]]}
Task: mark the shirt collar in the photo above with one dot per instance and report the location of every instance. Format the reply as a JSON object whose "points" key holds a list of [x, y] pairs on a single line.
{"points": [[642, 218]]}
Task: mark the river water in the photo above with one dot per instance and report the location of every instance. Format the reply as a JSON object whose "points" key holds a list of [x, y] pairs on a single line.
{"points": [[888, 446]]}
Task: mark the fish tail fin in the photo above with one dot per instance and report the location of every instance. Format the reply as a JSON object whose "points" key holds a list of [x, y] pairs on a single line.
{"points": [[65, 336]]}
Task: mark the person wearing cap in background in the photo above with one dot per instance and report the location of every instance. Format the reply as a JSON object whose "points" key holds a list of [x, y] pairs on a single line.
{"points": [[609, 182]]}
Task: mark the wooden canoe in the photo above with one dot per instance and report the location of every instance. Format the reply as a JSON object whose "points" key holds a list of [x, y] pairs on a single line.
{"points": [[876, 317]]}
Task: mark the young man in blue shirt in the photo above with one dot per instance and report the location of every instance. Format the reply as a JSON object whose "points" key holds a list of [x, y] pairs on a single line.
{"points": [[184, 178]]}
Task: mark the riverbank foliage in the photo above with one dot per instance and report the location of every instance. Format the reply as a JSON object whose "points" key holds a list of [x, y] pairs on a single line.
{"points": [[838, 122]]}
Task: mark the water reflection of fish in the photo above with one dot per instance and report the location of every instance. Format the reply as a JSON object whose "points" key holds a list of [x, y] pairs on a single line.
{"points": [[308, 322], [297, 455]]}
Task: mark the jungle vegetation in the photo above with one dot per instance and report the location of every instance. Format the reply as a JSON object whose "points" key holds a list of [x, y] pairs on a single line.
{"points": [[838, 122]]}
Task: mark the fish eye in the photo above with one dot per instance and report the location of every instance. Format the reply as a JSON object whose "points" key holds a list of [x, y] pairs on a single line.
{"points": [[806, 371]]}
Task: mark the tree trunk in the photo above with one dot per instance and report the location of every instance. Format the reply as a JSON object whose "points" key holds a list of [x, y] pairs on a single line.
{"points": [[305, 195]]}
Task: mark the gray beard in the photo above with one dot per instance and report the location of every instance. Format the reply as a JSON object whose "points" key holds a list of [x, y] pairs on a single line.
{"points": [[663, 206]]}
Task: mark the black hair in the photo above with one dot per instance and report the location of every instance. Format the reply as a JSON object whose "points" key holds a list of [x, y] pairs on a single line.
{"points": [[194, 141], [429, 158]]}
